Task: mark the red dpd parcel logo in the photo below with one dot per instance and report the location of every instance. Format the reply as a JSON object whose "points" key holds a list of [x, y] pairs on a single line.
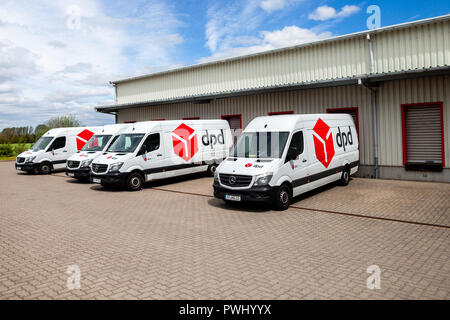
{"points": [[185, 144], [323, 142], [83, 137]]}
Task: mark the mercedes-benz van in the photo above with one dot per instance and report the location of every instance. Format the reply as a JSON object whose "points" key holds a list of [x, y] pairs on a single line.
{"points": [[280, 157], [53, 149], [78, 165], [155, 150]]}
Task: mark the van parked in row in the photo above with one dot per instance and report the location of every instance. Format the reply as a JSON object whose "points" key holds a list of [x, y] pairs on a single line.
{"points": [[155, 150], [53, 149], [280, 157], [78, 166]]}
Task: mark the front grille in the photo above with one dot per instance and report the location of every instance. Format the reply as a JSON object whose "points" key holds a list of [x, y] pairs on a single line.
{"points": [[73, 164], [99, 168], [20, 160], [239, 181]]}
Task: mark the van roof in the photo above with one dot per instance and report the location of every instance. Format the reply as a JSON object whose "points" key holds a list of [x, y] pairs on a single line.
{"points": [[58, 131], [146, 126], [289, 122], [113, 128]]}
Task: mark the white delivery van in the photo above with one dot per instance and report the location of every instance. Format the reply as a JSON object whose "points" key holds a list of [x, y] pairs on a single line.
{"points": [[279, 157], [53, 149], [78, 165], [154, 150]]}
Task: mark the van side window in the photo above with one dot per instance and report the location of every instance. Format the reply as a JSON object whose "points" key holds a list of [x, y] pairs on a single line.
{"points": [[296, 147], [152, 142], [58, 143]]}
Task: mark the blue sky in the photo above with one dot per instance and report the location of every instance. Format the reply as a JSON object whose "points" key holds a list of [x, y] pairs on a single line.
{"points": [[57, 57]]}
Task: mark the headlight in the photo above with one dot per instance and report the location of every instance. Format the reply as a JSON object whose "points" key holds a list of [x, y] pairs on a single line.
{"points": [[115, 167], [86, 163], [30, 159], [216, 176], [263, 180]]}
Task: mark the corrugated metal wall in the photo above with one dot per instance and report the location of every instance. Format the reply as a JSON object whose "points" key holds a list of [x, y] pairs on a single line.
{"points": [[300, 101], [391, 96], [407, 48]]}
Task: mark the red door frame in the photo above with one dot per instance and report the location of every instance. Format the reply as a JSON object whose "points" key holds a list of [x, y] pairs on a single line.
{"points": [[224, 117], [347, 109], [192, 118], [129, 121], [404, 133], [275, 113]]}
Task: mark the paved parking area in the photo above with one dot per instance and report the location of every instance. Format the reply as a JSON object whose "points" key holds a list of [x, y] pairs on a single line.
{"points": [[164, 244]]}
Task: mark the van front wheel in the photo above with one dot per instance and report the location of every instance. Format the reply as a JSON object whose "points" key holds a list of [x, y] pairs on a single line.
{"points": [[283, 197], [45, 168], [135, 182]]}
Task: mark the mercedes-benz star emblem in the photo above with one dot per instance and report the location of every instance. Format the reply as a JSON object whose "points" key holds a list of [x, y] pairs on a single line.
{"points": [[232, 180]]}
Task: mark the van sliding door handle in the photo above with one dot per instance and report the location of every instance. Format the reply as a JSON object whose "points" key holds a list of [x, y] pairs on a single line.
{"points": [[159, 155], [304, 160]]}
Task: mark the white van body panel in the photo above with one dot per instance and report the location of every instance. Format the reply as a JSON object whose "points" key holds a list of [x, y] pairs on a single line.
{"points": [[208, 141], [75, 138], [111, 130], [330, 143]]}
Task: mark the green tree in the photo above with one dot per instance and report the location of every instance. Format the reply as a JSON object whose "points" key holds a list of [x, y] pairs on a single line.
{"points": [[40, 130], [63, 122]]}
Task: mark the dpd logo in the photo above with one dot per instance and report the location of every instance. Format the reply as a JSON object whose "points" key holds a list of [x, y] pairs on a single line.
{"points": [[83, 137], [323, 142], [343, 139], [185, 144], [209, 139]]}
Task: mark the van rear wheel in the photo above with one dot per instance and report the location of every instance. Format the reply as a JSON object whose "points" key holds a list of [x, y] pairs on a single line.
{"points": [[283, 197], [211, 170], [45, 168], [135, 182], [345, 178]]}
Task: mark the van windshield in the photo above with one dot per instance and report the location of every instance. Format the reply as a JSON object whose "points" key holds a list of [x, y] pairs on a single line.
{"points": [[42, 143], [126, 143], [260, 145], [96, 143]]}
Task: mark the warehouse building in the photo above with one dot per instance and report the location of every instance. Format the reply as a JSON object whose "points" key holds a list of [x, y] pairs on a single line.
{"points": [[394, 81]]}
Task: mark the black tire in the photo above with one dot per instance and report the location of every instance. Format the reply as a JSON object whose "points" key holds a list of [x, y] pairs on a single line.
{"points": [[345, 178], [45, 168], [283, 197], [135, 181], [211, 169]]}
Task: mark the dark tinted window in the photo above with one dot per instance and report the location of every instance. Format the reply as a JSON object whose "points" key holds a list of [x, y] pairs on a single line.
{"points": [[59, 143], [152, 142], [296, 144]]}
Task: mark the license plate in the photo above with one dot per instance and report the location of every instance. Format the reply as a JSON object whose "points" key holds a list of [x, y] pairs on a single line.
{"points": [[71, 174], [19, 168], [232, 197], [95, 180]]}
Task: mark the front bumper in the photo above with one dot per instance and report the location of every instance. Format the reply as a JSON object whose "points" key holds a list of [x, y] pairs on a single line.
{"points": [[116, 178], [254, 194], [81, 173], [26, 166]]}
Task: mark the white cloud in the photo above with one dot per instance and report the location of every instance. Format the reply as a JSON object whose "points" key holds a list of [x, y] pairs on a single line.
{"points": [[49, 69], [269, 40], [324, 13], [273, 5]]}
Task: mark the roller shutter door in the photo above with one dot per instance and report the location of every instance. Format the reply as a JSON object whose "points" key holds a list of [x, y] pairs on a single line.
{"points": [[423, 134], [235, 123]]}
